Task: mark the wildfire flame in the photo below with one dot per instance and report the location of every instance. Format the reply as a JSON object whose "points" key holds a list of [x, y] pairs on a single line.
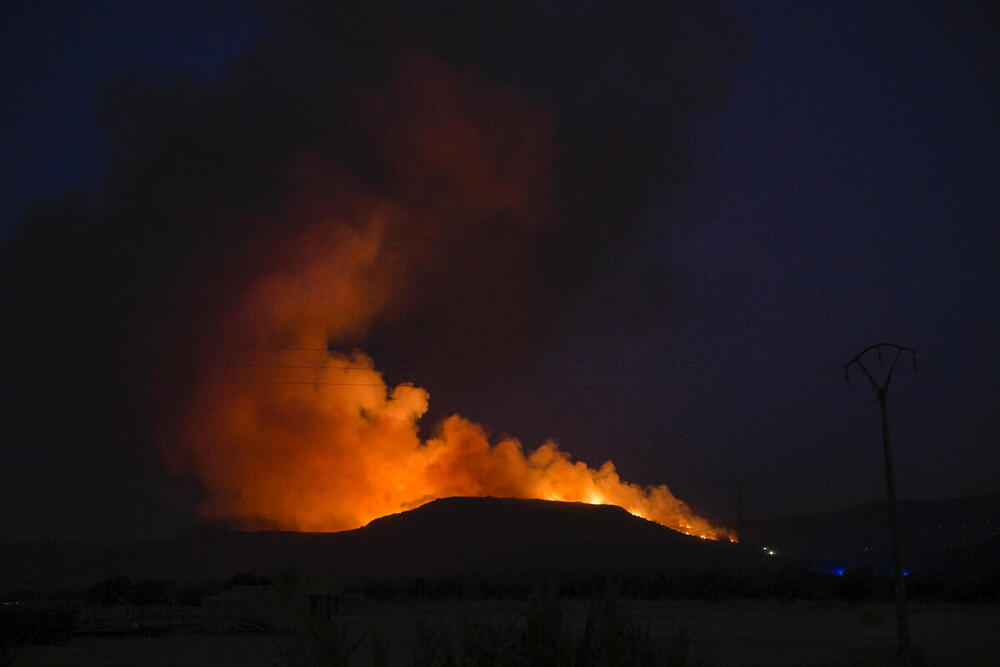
{"points": [[323, 444], [336, 450]]}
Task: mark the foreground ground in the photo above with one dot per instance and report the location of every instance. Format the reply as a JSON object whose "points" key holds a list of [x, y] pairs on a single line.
{"points": [[408, 633]]}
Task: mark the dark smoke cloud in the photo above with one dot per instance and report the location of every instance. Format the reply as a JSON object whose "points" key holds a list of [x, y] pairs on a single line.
{"points": [[512, 147]]}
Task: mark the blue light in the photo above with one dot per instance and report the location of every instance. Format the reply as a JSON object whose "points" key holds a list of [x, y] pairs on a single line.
{"points": [[839, 571], [906, 573]]}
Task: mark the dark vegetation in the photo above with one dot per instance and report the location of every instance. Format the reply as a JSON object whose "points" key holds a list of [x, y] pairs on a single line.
{"points": [[147, 592], [558, 619], [538, 634], [563, 575], [780, 585]]}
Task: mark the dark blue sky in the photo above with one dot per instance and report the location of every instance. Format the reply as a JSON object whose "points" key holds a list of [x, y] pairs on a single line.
{"points": [[844, 192], [853, 200], [845, 195], [56, 57]]}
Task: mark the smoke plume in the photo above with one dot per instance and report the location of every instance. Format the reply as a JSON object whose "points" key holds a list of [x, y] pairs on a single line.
{"points": [[401, 175]]}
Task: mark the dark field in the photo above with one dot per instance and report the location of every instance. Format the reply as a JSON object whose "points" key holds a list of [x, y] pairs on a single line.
{"points": [[500, 582], [263, 632]]}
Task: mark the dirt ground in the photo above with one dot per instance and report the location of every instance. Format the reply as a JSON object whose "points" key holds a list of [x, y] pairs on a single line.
{"points": [[724, 633]]}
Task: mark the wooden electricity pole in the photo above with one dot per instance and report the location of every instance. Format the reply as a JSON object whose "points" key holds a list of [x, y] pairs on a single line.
{"points": [[881, 392]]}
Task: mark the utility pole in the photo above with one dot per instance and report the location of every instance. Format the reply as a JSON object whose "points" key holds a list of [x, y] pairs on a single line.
{"points": [[881, 392]]}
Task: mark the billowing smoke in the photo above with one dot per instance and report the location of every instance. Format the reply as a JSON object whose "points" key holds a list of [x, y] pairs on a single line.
{"points": [[329, 447], [317, 442], [395, 175]]}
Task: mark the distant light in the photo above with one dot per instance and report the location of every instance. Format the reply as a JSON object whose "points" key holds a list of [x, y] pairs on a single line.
{"points": [[839, 571], [906, 573]]}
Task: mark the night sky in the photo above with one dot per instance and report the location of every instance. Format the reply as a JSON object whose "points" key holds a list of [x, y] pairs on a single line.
{"points": [[734, 199]]}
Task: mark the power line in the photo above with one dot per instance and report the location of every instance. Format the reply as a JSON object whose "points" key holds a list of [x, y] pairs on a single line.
{"points": [[386, 353], [593, 366], [509, 387], [523, 371], [650, 365]]}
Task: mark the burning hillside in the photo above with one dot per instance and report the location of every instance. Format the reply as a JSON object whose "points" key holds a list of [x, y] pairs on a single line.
{"points": [[323, 444], [338, 449], [363, 178]]}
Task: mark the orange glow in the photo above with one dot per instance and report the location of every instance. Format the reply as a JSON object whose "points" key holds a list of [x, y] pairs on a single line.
{"points": [[340, 449], [300, 438]]}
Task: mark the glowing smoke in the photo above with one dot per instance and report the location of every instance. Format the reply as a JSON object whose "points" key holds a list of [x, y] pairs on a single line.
{"points": [[329, 447], [386, 174], [322, 443]]}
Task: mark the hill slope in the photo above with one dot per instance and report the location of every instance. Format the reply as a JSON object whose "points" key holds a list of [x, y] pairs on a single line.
{"points": [[452, 536]]}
